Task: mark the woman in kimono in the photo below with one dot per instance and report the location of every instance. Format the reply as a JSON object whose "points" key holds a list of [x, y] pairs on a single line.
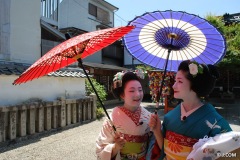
{"points": [[130, 140], [192, 119]]}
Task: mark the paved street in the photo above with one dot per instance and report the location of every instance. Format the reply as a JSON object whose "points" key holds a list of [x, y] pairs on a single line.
{"points": [[76, 142]]}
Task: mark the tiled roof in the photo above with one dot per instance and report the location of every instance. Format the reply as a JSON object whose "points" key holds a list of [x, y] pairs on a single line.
{"points": [[13, 68], [69, 72]]}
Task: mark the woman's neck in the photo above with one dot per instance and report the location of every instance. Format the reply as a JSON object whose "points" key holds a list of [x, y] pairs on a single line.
{"points": [[191, 104]]}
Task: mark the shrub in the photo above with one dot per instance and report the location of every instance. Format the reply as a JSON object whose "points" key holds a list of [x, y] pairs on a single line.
{"points": [[101, 93], [100, 113]]}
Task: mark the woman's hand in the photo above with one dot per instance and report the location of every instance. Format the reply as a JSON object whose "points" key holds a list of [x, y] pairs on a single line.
{"points": [[119, 142], [155, 123], [155, 126]]}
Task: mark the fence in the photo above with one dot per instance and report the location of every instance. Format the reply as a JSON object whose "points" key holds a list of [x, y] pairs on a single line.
{"points": [[36, 117]]}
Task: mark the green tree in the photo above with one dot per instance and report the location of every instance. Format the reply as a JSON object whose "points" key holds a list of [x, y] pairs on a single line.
{"points": [[229, 66], [101, 93], [231, 32], [145, 68]]}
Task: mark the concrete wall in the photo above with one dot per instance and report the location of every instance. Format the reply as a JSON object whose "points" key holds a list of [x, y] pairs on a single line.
{"points": [[5, 30], [45, 88], [128, 58], [94, 58], [25, 31], [75, 14]]}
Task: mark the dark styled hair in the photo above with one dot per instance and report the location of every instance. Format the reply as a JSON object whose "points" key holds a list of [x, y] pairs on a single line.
{"points": [[128, 76], [203, 83]]}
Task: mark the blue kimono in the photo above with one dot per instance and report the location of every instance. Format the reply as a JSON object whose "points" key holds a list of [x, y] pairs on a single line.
{"points": [[180, 136]]}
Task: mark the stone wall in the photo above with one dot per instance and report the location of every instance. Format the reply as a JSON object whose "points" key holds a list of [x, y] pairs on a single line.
{"points": [[25, 120]]}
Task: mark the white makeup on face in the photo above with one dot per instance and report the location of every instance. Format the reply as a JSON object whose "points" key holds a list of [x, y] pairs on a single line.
{"points": [[133, 94], [181, 86]]}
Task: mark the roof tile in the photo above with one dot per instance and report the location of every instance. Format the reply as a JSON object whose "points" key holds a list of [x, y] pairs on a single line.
{"points": [[13, 68]]}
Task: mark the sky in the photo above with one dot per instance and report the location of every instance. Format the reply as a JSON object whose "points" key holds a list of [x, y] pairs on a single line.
{"points": [[129, 9]]}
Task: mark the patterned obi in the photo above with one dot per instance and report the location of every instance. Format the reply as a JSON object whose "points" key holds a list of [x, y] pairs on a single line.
{"points": [[177, 147], [135, 147]]}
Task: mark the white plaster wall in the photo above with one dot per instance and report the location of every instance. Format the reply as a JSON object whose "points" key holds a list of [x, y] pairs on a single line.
{"points": [[25, 31], [45, 88]]}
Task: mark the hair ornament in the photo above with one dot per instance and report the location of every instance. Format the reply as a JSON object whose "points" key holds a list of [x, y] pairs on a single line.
{"points": [[195, 68], [117, 80], [140, 73]]}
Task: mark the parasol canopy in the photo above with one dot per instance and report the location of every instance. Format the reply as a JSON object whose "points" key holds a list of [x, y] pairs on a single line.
{"points": [[162, 37], [74, 50], [71, 50]]}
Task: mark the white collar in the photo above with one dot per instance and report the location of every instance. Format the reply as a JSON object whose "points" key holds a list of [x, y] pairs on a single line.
{"points": [[185, 114]]}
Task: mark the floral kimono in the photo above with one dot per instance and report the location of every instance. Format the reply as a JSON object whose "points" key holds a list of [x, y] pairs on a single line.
{"points": [[135, 130], [180, 135]]}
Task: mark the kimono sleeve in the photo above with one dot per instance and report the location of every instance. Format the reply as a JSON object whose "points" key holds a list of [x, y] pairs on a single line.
{"points": [[153, 152], [104, 142], [221, 126], [164, 129]]}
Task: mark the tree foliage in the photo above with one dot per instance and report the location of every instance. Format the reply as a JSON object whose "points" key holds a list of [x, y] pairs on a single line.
{"points": [[101, 93], [145, 68], [99, 88], [231, 32]]}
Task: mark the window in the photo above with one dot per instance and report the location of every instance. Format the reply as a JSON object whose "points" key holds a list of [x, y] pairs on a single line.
{"points": [[49, 9], [99, 13], [92, 9], [102, 15]]}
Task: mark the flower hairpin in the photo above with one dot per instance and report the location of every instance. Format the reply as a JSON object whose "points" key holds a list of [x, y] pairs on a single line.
{"points": [[118, 76], [140, 73], [117, 80], [195, 68]]}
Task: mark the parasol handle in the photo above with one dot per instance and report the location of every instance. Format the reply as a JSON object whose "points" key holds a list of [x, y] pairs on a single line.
{"points": [[81, 65], [163, 78]]}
